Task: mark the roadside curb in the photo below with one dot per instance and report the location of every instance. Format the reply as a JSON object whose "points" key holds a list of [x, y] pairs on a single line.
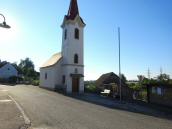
{"points": [[26, 119]]}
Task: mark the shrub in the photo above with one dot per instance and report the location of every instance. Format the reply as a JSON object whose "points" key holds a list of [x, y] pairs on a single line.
{"points": [[13, 79], [35, 82], [135, 86], [170, 82], [91, 88], [3, 80], [142, 95]]}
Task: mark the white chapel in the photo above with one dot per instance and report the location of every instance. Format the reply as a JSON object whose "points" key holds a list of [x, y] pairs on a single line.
{"points": [[65, 70]]}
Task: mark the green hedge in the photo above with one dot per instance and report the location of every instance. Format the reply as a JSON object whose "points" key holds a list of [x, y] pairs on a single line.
{"points": [[35, 82], [91, 88]]}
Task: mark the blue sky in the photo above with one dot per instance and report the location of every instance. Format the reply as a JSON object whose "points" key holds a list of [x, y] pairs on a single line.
{"points": [[146, 34]]}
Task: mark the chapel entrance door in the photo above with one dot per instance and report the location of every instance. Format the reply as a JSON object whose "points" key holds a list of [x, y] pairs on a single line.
{"points": [[75, 84]]}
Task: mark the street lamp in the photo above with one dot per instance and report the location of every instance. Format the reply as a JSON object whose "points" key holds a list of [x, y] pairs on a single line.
{"points": [[4, 24]]}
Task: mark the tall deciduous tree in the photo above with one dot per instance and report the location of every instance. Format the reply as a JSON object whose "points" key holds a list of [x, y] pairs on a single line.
{"points": [[27, 68], [141, 78], [164, 77], [123, 78]]}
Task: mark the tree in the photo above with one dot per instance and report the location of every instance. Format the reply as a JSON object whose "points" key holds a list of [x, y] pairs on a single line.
{"points": [[141, 78], [170, 82], [135, 86], [164, 77], [123, 78], [17, 68], [27, 69], [26, 63]]}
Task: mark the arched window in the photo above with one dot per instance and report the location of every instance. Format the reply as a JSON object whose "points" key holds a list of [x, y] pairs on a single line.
{"points": [[76, 33], [63, 79], [45, 76], [76, 59], [65, 34]]}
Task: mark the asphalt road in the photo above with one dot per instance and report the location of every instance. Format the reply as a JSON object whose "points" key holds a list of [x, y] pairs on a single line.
{"points": [[10, 116], [50, 110]]}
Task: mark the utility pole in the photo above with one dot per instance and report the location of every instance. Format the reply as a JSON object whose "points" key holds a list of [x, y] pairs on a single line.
{"points": [[119, 39]]}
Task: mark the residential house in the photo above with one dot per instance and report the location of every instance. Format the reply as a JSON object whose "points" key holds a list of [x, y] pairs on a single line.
{"points": [[111, 81], [160, 94], [7, 70]]}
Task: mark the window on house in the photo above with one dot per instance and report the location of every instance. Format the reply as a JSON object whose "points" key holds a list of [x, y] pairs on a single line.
{"points": [[154, 90], [76, 33], [65, 34], [63, 79], [45, 76], [76, 59], [159, 91]]}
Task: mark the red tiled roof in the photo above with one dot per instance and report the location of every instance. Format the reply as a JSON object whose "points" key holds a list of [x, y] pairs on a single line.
{"points": [[73, 10]]}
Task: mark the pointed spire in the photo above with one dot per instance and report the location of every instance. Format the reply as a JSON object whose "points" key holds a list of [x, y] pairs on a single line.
{"points": [[73, 10]]}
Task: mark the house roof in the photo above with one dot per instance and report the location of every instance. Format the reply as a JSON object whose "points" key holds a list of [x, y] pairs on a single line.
{"points": [[107, 79], [3, 64], [52, 61]]}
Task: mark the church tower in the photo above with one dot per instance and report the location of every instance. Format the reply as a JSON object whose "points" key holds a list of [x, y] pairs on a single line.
{"points": [[73, 50]]}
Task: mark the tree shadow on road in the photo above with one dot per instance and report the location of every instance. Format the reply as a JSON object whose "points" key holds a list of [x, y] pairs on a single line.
{"points": [[134, 107]]}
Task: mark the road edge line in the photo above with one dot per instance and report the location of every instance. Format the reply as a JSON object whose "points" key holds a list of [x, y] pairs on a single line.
{"points": [[26, 119]]}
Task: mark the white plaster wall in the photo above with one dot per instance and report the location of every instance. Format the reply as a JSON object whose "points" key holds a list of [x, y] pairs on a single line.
{"points": [[49, 82], [81, 85], [7, 71], [58, 75], [54, 76], [72, 46]]}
